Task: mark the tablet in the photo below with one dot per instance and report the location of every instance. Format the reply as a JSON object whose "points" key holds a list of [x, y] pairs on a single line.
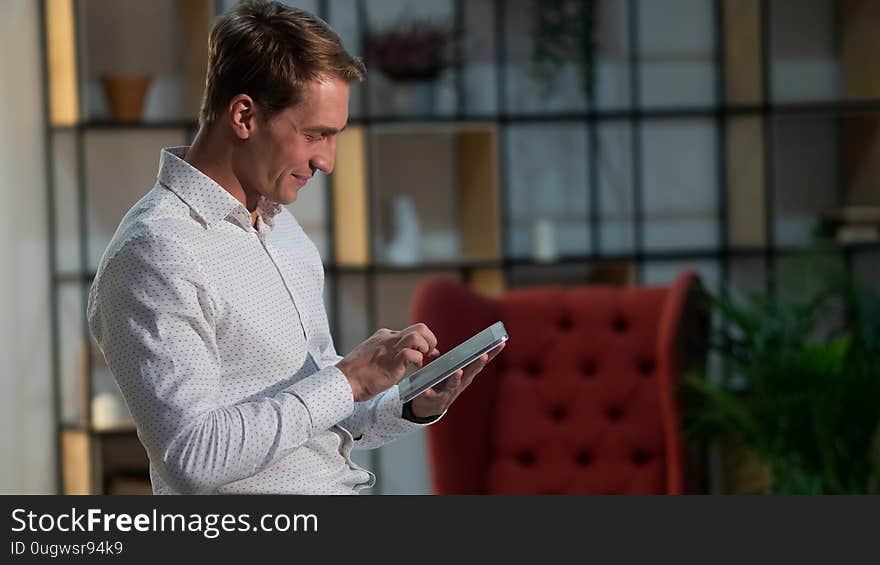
{"points": [[444, 366]]}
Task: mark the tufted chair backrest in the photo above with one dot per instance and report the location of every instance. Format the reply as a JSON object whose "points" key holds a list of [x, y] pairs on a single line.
{"points": [[582, 400]]}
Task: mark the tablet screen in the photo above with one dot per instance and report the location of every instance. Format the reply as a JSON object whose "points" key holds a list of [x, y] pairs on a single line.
{"points": [[451, 361]]}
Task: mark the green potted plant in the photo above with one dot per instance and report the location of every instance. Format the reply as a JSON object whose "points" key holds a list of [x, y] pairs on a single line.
{"points": [[801, 392]]}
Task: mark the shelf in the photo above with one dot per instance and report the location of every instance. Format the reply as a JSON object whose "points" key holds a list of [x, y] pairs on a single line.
{"points": [[63, 278], [417, 124], [93, 459], [437, 266], [832, 107], [122, 429], [441, 266], [105, 125], [829, 108]]}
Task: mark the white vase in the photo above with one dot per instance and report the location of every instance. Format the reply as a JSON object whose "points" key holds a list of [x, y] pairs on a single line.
{"points": [[544, 241], [405, 246]]}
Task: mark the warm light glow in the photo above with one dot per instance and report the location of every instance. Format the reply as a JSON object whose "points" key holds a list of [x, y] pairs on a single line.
{"points": [[350, 213], [477, 184], [61, 36]]}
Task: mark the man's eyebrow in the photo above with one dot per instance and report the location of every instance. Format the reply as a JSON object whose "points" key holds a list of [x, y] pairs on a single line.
{"points": [[324, 130]]}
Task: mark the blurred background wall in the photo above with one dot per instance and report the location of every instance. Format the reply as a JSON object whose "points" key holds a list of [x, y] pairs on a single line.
{"points": [[26, 428]]}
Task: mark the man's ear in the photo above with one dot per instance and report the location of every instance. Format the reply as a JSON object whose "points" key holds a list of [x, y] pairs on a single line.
{"points": [[242, 116]]}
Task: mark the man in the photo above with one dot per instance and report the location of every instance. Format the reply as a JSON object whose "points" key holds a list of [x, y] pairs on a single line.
{"points": [[208, 301]]}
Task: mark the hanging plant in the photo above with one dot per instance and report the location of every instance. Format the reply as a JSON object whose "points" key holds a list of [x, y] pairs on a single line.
{"points": [[414, 50], [563, 34]]}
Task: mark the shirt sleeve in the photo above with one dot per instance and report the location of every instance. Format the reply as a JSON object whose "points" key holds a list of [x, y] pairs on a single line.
{"points": [[151, 312], [374, 422]]}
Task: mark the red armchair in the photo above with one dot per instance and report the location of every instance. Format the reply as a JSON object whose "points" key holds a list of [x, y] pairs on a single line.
{"points": [[581, 401]]}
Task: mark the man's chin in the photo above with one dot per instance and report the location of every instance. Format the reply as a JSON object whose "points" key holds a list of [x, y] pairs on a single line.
{"points": [[287, 197]]}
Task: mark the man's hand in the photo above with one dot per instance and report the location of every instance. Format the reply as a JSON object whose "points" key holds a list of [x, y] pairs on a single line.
{"points": [[380, 362], [436, 400]]}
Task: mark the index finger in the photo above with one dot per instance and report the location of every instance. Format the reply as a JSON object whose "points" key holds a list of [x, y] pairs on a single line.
{"points": [[423, 330]]}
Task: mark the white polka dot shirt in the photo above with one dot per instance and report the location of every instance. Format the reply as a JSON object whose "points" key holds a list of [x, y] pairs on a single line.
{"points": [[217, 336]]}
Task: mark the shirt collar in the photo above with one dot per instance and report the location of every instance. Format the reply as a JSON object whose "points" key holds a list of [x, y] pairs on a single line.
{"points": [[210, 201]]}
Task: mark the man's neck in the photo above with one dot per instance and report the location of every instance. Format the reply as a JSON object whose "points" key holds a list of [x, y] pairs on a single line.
{"points": [[214, 159]]}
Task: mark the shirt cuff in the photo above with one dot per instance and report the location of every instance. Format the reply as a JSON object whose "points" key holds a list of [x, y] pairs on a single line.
{"points": [[408, 415], [327, 396], [391, 413]]}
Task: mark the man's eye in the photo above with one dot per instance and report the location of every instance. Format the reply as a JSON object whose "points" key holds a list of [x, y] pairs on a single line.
{"points": [[311, 137]]}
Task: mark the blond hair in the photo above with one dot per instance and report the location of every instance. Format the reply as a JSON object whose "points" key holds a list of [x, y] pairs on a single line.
{"points": [[270, 52]]}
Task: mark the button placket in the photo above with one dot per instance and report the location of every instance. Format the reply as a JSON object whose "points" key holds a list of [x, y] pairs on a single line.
{"points": [[267, 247]]}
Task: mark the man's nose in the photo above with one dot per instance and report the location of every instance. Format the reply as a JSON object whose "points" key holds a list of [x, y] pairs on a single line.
{"points": [[325, 157]]}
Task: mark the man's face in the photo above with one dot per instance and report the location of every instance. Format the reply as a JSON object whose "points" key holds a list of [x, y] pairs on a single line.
{"points": [[287, 150]]}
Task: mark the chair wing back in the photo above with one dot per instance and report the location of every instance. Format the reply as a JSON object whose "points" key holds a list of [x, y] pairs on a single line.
{"points": [[582, 400]]}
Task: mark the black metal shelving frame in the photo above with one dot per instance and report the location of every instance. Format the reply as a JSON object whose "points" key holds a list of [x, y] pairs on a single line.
{"points": [[721, 112], [54, 332]]}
